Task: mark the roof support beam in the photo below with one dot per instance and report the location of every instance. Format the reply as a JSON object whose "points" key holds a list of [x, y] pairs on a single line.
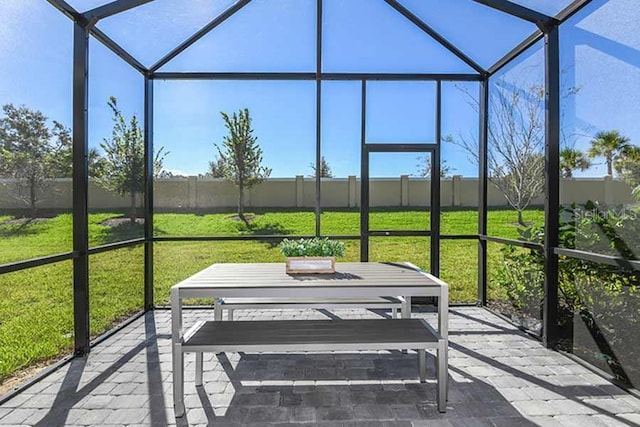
{"points": [[572, 9], [435, 35], [113, 8], [201, 33], [538, 35], [81, 19], [65, 8], [544, 22], [516, 51], [118, 50]]}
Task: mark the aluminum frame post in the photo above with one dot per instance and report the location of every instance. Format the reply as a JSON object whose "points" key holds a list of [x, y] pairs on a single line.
{"points": [[483, 148], [318, 183], [364, 179], [435, 188], [148, 194], [80, 189], [552, 186]]}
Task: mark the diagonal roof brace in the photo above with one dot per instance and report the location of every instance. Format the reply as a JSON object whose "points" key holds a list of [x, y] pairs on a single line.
{"points": [[544, 22], [118, 50], [94, 15], [65, 8], [436, 36], [198, 35]]}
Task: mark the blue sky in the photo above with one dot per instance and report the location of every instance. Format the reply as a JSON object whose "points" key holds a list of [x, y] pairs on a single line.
{"points": [[359, 36]]}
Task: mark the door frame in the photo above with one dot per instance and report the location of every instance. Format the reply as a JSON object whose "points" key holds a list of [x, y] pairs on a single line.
{"points": [[434, 229]]}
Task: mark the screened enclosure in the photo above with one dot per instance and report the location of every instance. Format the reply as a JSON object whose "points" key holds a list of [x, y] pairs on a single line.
{"points": [[471, 138]]}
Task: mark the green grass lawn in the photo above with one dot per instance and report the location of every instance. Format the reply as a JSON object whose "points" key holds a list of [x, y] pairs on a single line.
{"points": [[36, 308]]}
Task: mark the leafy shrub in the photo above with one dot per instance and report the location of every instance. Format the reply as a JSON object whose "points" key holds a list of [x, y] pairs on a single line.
{"points": [[601, 300], [312, 247], [522, 277]]}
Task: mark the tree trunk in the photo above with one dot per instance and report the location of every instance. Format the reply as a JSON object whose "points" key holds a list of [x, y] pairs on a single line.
{"points": [[609, 165], [32, 198], [132, 212], [520, 219], [241, 205]]}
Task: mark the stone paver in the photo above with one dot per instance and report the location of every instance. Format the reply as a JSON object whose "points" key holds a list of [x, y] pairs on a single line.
{"points": [[498, 377]]}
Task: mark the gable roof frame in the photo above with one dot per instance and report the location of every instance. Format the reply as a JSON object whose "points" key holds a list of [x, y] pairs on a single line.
{"points": [[538, 35], [544, 22], [199, 34], [436, 36], [112, 8], [98, 34]]}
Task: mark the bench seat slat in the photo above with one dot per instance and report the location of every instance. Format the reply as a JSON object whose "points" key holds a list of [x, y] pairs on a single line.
{"points": [[365, 332], [316, 301]]}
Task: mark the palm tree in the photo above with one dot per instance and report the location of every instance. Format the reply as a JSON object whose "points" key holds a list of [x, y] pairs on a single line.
{"points": [[572, 159], [608, 144]]}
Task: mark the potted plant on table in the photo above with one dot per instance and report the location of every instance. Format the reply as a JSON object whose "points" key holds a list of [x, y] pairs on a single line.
{"points": [[314, 255]]}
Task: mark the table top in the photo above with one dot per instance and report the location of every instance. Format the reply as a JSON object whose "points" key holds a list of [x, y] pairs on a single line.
{"points": [[273, 275]]}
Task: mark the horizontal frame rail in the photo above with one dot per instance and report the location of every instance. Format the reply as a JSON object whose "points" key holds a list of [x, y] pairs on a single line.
{"points": [[322, 236], [402, 76], [459, 237], [250, 237], [598, 258], [400, 233], [117, 245], [37, 262], [513, 242], [400, 148], [313, 76]]}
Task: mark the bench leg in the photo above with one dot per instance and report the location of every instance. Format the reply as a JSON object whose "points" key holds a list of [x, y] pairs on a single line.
{"points": [[199, 367], [422, 364], [217, 310], [442, 377], [230, 314], [394, 313], [178, 380], [406, 308], [406, 312]]}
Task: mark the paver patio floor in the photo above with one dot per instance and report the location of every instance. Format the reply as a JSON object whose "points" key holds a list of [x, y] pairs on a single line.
{"points": [[498, 376]]}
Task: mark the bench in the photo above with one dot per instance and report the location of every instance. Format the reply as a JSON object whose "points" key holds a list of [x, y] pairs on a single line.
{"points": [[309, 335], [384, 303]]}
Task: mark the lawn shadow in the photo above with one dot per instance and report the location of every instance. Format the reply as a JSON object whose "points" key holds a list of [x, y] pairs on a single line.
{"points": [[124, 230], [20, 227], [264, 229]]}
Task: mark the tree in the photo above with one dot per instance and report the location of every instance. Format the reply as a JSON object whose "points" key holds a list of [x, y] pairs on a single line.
{"points": [[63, 160], [610, 145], [572, 159], [627, 166], [28, 154], [515, 143], [216, 168], [325, 169], [241, 156], [123, 167], [424, 167]]}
